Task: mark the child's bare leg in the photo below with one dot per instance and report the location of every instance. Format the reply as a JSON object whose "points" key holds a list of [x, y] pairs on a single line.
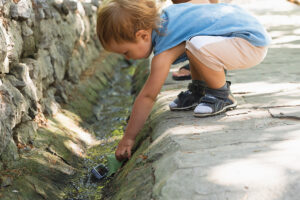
{"points": [[208, 56], [194, 73], [213, 79], [216, 98]]}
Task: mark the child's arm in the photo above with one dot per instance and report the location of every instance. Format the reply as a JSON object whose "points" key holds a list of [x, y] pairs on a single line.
{"points": [[142, 106]]}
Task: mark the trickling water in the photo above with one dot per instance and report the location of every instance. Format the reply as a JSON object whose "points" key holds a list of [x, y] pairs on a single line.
{"points": [[111, 112]]}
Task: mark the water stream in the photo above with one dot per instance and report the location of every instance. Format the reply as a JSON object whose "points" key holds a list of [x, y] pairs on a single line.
{"points": [[110, 114]]}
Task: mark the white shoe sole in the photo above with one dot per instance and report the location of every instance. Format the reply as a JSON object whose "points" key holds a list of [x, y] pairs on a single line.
{"points": [[229, 107], [184, 108]]}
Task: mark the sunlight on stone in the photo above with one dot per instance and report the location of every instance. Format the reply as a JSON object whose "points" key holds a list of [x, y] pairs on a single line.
{"points": [[74, 147], [190, 129], [276, 20], [235, 115], [271, 19], [58, 1], [286, 39], [262, 87], [281, 5], [81, 10], [249, 171], [71, 125], [53, 163], [291, 46], [185, 130], [274, 34], [260, 170], [297, 31], [287, 153]]}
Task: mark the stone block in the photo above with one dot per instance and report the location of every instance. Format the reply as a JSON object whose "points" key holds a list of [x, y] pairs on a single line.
{"points": [[15, 42], [10, 152], [35, 75], [21, 10], [89, 11], [3, 51], [6, 181], [71, 5], [5, 8], [5, 113], [286, 112], [49, 103], [15, 105], [21, 72], [58, 60], [26, 30], [15, 82], [45, 67], [74, 69], [43, 9], [25, 133], [29, 47]]}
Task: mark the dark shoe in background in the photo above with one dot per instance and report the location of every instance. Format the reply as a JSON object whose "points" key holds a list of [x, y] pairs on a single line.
{"points": [[189, 99], [187, 76]]}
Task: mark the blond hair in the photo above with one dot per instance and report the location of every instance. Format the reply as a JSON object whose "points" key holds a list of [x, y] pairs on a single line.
{"points": [[119, 20]]}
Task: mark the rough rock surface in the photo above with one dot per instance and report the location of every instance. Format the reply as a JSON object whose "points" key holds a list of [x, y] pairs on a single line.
{"points": [[45, 46], [40, 46], [249, 153]]}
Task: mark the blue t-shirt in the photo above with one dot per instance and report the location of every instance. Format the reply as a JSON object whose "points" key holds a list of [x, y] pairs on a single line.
{"points": [[180, 22]]}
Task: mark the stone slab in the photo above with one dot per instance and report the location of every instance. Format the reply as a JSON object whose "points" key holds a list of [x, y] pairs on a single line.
{"points": [[286, 112], [251, 153]]}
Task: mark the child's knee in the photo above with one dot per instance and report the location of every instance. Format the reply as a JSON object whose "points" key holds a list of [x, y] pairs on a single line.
{"points": [[196, 51], [220, 53]]}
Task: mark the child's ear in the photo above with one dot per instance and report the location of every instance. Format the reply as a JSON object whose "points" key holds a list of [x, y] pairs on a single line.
{"points": [[142, 34]]}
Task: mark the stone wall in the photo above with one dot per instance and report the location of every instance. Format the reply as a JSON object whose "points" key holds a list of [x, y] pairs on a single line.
{"points": [[44, 47]]}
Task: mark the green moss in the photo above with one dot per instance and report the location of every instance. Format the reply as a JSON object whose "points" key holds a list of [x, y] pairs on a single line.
{"points": [[43, 170], [85, 96], [114, 107]]}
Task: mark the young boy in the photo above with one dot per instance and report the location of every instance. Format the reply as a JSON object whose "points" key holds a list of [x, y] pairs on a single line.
{"points": [[213, 37], [184, 72]]}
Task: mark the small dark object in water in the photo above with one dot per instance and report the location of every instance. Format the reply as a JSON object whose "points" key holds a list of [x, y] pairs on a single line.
{"points": [[100, 171]]}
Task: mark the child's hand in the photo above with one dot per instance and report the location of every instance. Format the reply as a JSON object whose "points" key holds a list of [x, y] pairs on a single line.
{"points": [[124, 149]]}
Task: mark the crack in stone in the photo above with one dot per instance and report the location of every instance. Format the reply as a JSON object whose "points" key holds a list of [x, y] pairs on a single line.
{"points": [[279, 106], [239, 143], [153, 177], [242, 93], [255, 142], [174, 117], [36, 190], [284, 116], [55, 154]]}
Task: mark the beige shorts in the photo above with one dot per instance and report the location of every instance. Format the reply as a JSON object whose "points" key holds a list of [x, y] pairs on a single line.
{"points": [[229, 53]]}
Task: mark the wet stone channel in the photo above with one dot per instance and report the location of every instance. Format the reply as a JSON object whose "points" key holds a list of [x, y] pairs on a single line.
{"points": [[108, 124]]}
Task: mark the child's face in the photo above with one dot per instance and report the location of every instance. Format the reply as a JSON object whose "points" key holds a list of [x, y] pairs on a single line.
{"points": [[139, 49]]}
